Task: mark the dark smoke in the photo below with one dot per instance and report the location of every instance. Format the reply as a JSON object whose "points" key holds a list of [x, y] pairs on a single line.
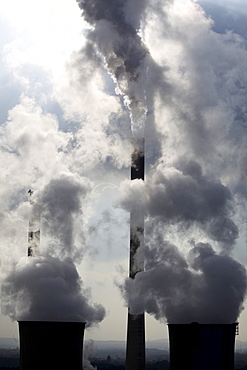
{"points": [[128, 46]]}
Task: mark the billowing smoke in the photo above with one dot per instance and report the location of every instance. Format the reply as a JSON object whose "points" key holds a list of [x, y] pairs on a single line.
{"points": [[47, 286], [47, 289], [195, 282], [186, 197], [182, 290]]}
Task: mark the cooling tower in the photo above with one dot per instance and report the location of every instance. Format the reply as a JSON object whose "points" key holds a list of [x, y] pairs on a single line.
{"points": [[202, 346], [48, 345]]}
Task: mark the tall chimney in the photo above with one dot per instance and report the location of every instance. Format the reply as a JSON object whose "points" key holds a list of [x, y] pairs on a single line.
{"points": [[202, 346], [135, 351], [33, 230], [49, 345]]}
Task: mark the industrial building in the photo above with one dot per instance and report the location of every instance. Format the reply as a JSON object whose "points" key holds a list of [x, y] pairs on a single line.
{"points": [[49, 345], [202, 346]]}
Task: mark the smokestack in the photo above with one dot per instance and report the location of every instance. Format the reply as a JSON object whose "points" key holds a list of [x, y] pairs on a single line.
{"points": [[135, 351], [33, 230], [49, 345], [202, 346]]}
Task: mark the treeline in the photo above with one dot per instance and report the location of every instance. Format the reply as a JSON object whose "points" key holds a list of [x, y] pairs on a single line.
{"points": [[160, 365]]}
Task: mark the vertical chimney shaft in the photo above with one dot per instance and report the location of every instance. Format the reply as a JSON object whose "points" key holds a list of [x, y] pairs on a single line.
{"points": [[33, 230], [135, 351]]}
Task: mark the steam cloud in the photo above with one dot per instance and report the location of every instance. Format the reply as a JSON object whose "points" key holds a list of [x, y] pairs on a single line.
{"points": [[183, 292], [185, 196], [181, 195], [47, 286], [62, 216], [46, 289]]}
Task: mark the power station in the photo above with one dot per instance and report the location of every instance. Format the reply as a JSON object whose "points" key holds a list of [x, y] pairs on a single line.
{"points": [[53, 345]]}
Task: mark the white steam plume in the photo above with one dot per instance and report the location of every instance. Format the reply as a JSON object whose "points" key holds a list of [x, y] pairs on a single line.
{"points": [[60, 208], [207, 288], [184, 196], [48, 287]]}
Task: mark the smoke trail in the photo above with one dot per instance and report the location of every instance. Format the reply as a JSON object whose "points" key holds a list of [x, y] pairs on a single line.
{"points": [[124, 53]]}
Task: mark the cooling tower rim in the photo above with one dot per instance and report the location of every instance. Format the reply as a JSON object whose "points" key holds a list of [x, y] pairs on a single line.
{"points": [[203, 324], [54, 321]]}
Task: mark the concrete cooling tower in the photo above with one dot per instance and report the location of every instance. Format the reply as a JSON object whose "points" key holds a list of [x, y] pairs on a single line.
{"points": [[47, 345], [202, 346]]}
